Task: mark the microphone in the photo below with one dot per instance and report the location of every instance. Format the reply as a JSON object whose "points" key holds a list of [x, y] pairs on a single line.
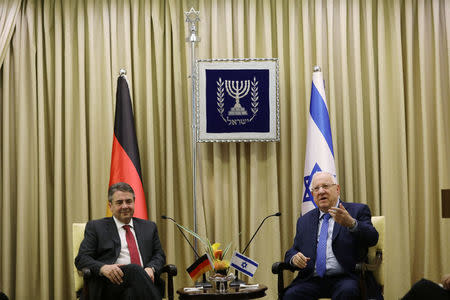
{"points": [[204, 283], [185, 237], [248, 244], [236, 281]]}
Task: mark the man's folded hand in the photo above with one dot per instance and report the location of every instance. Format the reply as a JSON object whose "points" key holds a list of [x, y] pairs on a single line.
{"points": [[112, 272]]}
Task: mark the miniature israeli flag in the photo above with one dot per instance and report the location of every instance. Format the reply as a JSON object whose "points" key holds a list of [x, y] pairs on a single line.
{"points": [[319, 143], [243, 264]]}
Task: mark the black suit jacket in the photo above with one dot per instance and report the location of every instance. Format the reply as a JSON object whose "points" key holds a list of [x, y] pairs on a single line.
{"points": [[348, 247], [101, 245]]}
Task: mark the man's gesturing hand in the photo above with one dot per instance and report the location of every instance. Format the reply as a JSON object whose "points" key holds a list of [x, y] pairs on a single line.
{"points": [[341, 216], [299, 260], [113, 273]]}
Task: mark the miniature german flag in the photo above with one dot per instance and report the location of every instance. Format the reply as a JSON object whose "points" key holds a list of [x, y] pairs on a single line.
{"points": [[199, 267]]}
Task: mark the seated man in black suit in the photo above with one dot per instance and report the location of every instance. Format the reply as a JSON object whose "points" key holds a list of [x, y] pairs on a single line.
{"points": [[330, 240], [122, 252], [426, 289]]}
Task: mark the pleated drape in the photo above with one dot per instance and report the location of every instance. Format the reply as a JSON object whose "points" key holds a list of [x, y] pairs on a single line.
{"points": [[386, 67]]}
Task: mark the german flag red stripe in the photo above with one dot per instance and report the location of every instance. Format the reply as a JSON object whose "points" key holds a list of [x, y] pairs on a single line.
{"points": [[125, 159]]}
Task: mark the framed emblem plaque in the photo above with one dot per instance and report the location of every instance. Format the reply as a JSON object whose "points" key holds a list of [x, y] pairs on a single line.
{"points": [[237, 100]]}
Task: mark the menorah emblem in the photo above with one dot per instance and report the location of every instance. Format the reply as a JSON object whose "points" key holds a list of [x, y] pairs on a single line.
{"points": [[237, 90]]}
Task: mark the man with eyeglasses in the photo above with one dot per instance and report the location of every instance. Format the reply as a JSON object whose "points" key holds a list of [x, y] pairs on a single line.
{"points": [[330, 240]]}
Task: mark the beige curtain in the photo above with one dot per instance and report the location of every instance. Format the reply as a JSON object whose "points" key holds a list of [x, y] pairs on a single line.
{"points": [[386, 68], [9, 9]]}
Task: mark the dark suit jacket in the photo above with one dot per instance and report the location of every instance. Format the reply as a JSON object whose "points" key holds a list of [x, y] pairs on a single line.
{"points": [[348, 247], [101, 245]]}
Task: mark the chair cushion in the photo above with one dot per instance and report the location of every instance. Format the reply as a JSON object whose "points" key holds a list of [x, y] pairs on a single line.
{"points": [[77, 237], [379, 223]]}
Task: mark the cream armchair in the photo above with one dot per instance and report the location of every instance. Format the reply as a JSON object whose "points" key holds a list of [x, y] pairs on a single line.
{"points": [[80, 277], [374, 262]]}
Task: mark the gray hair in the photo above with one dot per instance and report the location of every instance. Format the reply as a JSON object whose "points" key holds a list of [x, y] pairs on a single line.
{"points": [[120, 186], [333, 178]]}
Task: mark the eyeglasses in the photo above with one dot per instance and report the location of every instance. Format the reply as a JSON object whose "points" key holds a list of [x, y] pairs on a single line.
{"points": [[324, 186]]}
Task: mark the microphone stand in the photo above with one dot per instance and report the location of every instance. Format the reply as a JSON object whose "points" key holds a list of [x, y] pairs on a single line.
{"points": [[205, 284], [237, 282]]}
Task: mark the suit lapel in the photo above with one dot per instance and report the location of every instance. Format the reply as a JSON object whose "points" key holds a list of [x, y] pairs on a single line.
{"points": [[314, 229], [114, 234], [315, 223], [139, 232], [337, 227]]}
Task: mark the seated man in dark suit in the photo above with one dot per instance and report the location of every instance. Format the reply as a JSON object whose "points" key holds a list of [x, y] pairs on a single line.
{"points": [[427, 289], [329, 242], [122, 252]]}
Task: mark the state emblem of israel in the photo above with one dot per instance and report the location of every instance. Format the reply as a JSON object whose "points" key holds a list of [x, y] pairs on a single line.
{"points": [[238, 91], [241, 100], [238, 102]]}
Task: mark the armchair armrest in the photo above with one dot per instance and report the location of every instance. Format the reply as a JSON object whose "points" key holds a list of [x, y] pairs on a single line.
{"points": [[278, 268], [86, 273], [363, 267], [171, 271]]}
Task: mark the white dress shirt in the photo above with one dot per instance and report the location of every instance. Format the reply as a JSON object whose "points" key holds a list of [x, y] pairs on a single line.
{"points": [[333, 266], [124, 256]]}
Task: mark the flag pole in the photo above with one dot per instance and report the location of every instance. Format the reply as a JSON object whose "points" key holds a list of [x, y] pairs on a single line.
{"points": [[192, 17]]}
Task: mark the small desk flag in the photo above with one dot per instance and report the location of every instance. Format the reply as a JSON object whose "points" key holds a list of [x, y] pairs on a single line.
{"points": [[319, 143], [200, 266], [243, 264]]}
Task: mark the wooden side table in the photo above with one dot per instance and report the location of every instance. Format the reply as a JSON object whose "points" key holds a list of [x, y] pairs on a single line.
{"points": [[233, 293]]}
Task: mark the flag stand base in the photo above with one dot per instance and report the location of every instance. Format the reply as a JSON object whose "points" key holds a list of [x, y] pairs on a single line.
{"points": [[204, 284], [236, 282]]}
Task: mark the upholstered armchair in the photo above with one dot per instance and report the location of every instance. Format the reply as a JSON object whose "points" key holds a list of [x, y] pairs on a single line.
{"points": [[80, 278], [374, 263]]}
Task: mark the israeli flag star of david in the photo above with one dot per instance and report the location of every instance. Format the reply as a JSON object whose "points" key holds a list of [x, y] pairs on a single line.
{"points": [[319, 144]]}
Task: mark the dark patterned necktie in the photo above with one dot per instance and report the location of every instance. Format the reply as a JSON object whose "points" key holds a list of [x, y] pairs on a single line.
{"points": [[321, 262], [132, 247]]}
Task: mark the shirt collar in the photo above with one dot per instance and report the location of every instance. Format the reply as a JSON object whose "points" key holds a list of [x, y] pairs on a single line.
{"points": [[121, 224]]}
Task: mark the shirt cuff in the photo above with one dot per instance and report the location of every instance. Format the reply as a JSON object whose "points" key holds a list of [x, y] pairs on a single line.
{"points": [[290, 261]]}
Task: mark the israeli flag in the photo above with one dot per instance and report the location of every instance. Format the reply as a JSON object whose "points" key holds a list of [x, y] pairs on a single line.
{"points": [[243, 264], [319, 144]]}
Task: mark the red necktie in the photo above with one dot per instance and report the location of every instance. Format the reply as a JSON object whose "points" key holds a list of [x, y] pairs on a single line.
{"points": [[132, 247]]}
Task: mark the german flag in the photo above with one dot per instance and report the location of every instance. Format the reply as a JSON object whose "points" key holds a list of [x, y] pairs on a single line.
{"points": [[125, 160], [199, 267]]}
